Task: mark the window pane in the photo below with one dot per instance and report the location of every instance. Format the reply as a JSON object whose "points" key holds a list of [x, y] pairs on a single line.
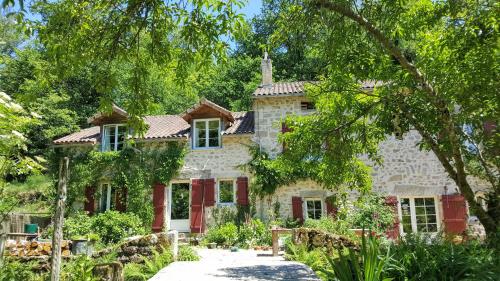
{"points": [[122, 134], [310, 204], [421, 219], [226, 192], [317, 205], [431, 219], [200, 134], [109, 138], [419, 202], [180, 201], [429, 201], [432, 227], [103, 197], [213, 133], [419, 211], [421, 228], [112, 203], [430, 210]]}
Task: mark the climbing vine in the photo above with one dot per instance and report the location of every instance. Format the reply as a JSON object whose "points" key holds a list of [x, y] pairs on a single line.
{"points": [[137, 167]]}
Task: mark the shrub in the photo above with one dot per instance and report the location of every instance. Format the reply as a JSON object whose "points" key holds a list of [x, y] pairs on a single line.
{"points": [[314, 259], [113, 226], [331, 225], [79, 269], [78, 225], [187, 253], [226, 234], [372, 213], [143, 272], [424, 258], [254, 232], [15, 270], [223, 215]]}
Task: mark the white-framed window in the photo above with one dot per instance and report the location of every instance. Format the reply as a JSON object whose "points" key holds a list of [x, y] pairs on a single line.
{"points": [[418, 214], [226, 192], [314, 208], [206, 133], [114, 136], [107, 197]]}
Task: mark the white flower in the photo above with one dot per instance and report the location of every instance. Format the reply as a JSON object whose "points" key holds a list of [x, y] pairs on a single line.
{"points": [[4, 96], [15, 106], [2, 116], [18, 134], [36, 115]]}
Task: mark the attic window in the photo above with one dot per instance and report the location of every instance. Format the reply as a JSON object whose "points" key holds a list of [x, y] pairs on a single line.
{"points": [[305, 105], [207, 133], [113, 137]]}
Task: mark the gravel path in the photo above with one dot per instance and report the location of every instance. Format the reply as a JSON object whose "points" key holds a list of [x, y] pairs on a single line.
{"points": [[219, 265]]}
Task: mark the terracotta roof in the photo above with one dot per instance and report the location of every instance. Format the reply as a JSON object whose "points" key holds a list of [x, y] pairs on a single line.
{"points": [[163, 127], [187, 115], [296, 88]]}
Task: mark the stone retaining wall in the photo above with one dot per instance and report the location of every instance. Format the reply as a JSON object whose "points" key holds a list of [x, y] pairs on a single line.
{"points": [[313, 238]]}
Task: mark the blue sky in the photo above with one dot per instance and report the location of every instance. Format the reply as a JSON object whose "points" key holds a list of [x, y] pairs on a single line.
{"points": [[252, 7]]}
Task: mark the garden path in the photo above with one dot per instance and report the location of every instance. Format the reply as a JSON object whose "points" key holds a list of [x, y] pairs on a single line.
{"points": [[248, 265]]}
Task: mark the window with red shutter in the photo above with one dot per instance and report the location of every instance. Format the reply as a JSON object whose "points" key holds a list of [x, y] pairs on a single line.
{"points": [[454, 213], [121, 199], [331, 209], [393, 202], [297, 209], [89, 205], [197, 192], [242, 191], [159, 207]]}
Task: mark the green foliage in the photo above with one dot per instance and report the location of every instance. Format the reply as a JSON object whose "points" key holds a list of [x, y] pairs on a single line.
{"points": [[16, 270], [225, 235], [315, 259], [32, 194], [143, 272], [254, 233], [187, 253], [419, 257], [113, 226], [372, 213], [135, 167], [222, 215], [79, 269], [331, 225], [368, 264], [78, 225]]}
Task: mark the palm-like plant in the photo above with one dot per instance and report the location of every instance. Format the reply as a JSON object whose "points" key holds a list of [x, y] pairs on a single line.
{"points": [[366, 265]]}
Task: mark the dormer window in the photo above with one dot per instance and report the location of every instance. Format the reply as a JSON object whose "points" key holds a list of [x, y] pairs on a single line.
{"points": [[206, 133], [113, 137]]}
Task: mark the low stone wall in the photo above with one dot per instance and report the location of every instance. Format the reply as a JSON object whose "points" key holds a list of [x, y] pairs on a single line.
{"points": [[313, 238], [135, 249]]}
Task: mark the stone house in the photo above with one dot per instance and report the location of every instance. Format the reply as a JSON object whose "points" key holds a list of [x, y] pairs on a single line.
{"points": [[415, 183]]}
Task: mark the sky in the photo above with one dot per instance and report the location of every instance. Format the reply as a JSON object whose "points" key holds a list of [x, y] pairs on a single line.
{"points": [[251, 8]]}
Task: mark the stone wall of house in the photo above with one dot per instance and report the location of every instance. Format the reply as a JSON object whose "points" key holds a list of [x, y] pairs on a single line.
{"points": [[406, 170]]}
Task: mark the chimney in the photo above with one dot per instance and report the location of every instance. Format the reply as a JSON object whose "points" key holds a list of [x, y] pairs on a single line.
{"points": [[266, 67]]}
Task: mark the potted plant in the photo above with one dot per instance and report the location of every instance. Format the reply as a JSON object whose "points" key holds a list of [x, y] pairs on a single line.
{"points": [[84, 245]]}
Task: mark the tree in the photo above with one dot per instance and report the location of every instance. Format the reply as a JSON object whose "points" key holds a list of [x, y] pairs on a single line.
{"points": [[437, 69], [183, 35]]}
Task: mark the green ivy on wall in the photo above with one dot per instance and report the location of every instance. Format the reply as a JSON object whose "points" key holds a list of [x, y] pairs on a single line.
{"points": [[137, 167]]}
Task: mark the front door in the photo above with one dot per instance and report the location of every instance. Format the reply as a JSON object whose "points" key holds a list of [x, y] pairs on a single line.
{"points": [[179, 207]]}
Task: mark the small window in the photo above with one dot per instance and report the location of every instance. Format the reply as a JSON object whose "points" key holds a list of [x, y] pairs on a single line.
{"points": [[418, 215], [207, 133], [107, 198], [307, 106], [314, 209], [226, 194], [113, 137]]}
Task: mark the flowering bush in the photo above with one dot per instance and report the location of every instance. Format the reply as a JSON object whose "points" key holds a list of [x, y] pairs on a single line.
{"points": [[371, 212]]}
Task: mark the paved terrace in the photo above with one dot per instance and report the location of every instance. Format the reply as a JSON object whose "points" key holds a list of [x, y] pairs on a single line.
{"points": [[221, 265]]}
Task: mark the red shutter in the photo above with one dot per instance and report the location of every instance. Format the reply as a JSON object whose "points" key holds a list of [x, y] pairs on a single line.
{"points": [[209, 192], [331, 210], [197, 206], [242, 192], [89, 205], [454, 213], [297, 209], [393, 202], [121, 199], [284, 129], [159, 207]]}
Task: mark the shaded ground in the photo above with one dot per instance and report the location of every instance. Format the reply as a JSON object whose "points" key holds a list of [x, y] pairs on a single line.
{"points": [[242, 265]]}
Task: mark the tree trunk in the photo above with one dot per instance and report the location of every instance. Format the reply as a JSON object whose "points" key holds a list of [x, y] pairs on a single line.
{"points": [[59, 220]]}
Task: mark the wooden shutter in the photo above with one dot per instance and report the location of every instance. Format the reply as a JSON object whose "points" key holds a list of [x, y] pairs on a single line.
{"points": [[297, 209], [392, 201], [284, 129], [197, 205], [121, 199], [89, 205], [159, 207], [331, 210], [242, 191], [454, 213], [209, 192]]}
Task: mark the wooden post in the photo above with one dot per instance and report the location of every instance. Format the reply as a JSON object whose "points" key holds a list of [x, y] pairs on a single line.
{"points": [[275, 235], [59, 219]]}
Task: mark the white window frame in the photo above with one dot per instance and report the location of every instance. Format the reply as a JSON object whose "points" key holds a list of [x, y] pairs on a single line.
{"points": [[108, 196], [306, 215], [104, 138], [207, 142], [413, 214], [218, 193]]}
